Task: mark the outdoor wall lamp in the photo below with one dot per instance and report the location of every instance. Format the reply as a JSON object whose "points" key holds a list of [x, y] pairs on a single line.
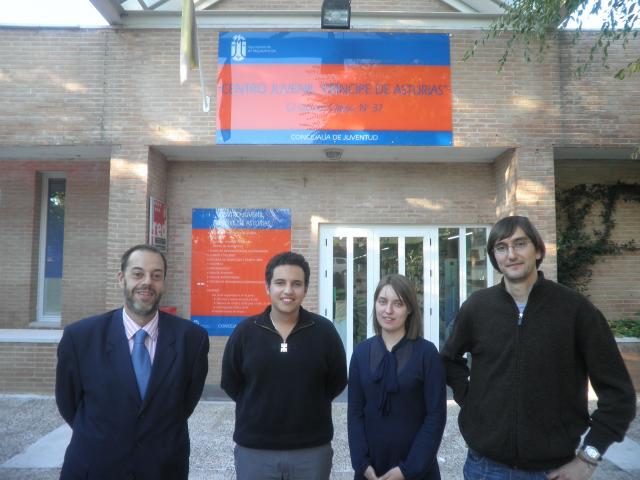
{"points": [[336, 14], [333, 153]]}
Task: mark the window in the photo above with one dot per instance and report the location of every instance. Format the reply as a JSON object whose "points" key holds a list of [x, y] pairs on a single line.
{"points": [[51, 248]]}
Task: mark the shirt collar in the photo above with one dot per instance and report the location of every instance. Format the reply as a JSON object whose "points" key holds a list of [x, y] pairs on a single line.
{"points": [[131, 327]]}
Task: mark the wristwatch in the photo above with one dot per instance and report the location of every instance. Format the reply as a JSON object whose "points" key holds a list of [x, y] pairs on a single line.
{"points": [[589, 454]]}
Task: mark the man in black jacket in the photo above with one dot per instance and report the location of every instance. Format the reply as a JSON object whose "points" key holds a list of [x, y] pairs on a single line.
{"points": [[534, 346], [283, 368]]}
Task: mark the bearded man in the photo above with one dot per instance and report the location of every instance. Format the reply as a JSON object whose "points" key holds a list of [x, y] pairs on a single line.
{"points": [[128, 380]]}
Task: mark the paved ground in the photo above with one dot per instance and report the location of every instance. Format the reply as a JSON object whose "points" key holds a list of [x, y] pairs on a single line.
{"points": [[33, 438]]}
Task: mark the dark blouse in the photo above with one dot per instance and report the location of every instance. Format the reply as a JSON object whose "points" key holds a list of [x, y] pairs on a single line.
{"points": [[397, 408]]}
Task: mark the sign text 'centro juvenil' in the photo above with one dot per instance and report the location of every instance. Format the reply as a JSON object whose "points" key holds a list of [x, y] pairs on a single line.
{"points": [[337, 88], [230, 248]]}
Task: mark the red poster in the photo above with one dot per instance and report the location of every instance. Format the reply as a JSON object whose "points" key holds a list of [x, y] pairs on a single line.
{"points": [[158, 224]]}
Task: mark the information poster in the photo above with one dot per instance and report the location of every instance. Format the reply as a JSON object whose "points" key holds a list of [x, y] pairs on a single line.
{"points": [[158, 224], [230, 249], [334, 88]]}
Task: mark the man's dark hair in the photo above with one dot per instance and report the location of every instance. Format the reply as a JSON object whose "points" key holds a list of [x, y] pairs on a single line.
{"points": [[143, 246], [287, 258], [504, 229]]}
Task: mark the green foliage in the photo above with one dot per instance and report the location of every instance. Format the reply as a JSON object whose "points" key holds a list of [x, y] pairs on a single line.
{"points": [[578, 250], [533, 23], [626, 327]]}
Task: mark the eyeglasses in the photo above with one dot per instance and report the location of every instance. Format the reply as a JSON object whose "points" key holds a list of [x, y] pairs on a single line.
{"points": [[518, 246]]}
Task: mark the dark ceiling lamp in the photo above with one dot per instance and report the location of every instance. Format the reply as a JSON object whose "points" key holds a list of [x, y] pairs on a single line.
{"points": [[336, 14]]}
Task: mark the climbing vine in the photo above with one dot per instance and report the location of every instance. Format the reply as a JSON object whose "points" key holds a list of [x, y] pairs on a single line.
{"points": [[579, 249]]}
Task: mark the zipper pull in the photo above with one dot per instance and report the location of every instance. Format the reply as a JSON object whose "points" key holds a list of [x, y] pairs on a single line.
{"points": [[520, 315]]}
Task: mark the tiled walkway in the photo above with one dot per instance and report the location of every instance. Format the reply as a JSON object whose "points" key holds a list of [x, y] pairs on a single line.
{"points": [[33, 438]]}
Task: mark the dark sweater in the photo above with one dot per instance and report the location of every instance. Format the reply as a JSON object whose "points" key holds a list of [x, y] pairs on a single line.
{"points": [[283, 400], [402, 428], [525, 404]]}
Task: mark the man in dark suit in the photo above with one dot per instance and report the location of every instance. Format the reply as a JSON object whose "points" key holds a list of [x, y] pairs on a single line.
{"points": [[128, 380]]}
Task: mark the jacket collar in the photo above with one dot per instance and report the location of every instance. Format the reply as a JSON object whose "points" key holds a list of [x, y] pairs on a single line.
{"points": [[534, 290], [537, 283], [304, 320]]}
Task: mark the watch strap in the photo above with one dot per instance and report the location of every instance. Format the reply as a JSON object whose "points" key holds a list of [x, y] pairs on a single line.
{"points": [[583, 456]]}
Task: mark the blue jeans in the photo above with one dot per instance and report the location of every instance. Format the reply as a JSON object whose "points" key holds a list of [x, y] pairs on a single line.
{"points": [[478, 467]]}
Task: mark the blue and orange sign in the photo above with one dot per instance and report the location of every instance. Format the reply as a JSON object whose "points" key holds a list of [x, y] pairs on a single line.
{"points": [[230, 248], [334, 88]]}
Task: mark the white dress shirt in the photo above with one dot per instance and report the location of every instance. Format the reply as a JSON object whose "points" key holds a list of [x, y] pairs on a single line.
{"points": [[131, 328]]}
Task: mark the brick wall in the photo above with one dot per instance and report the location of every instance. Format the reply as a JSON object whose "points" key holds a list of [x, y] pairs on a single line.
{"points": [[614, 284], [505, 180], [128, 210], [157, 175], [598, 110], [404, 194], [85, 240], [18, 224], [28, 367], [55, 93]]}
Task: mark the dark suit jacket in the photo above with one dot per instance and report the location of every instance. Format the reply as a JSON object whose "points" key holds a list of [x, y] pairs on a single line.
{"points": [[116, 435]]}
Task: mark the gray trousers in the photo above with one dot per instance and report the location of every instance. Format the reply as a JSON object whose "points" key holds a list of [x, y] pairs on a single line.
{"points": [[300, 464]]}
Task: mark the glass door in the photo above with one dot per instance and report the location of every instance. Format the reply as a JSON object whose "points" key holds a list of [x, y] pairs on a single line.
{"points": [[457, 279], [445, 264], [352, 261], [345, 282]]}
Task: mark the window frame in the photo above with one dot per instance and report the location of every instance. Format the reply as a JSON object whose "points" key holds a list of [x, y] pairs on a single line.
{"points": [[45, 178]]}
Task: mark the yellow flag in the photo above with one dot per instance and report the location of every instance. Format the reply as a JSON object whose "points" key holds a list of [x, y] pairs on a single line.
{"points": [[188, 40]]}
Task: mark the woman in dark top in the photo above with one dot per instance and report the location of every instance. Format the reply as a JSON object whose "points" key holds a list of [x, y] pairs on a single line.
{"points": [[397, 398]]}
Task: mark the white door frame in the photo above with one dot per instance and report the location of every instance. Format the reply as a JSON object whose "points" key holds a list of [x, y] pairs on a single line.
{"points": [[373, 233]]}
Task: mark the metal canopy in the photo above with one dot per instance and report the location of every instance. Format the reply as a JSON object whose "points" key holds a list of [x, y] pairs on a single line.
{"points": [[467, 14]]}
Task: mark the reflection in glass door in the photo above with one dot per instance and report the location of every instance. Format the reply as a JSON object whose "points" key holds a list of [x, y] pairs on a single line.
{"points": [[339, 285], [459, 279], [414, 264], [359, 289], [388, 248]]}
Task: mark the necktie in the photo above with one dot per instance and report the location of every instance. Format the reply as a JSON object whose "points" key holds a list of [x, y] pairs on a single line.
{"points": [[141, 361]]}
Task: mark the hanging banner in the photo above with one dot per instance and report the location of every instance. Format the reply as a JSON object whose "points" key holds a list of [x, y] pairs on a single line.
{"points": [[158, 224], [230, 248], [338, 88]]}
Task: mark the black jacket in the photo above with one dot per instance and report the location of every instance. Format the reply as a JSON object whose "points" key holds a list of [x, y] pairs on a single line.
{"points": [[283, 400], [524, 402]]}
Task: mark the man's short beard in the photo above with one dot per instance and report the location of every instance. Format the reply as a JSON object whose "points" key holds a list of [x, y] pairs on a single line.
{"points": [[136, 309], [143, 312]]}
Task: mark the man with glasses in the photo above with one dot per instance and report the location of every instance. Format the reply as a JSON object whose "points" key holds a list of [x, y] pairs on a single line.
{"points": [[534, 345]]}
